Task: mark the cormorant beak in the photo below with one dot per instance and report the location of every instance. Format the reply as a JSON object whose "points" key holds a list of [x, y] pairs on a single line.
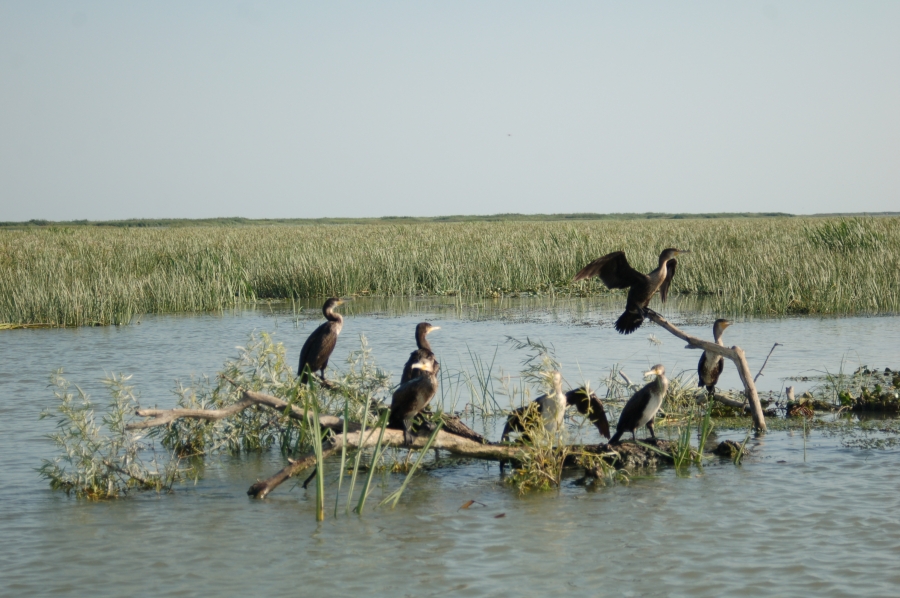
{"points": [[421, 365], [653, 372], [680, 251], [433, 328]]}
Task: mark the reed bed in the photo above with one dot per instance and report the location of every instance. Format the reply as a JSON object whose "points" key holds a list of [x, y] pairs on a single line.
{"points": [[100, 276]]}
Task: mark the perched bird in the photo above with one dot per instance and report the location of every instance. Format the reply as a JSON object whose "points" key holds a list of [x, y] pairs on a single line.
{"points": [[711, 364], [551, 408], [318, 347], [422, 353], [616, 273], [412, 397], [641, 408], [591, 406]]}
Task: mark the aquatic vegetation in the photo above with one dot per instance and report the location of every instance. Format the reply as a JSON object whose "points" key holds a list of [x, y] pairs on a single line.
{"points": [[862, 390], [75, 276], [100, 460]]}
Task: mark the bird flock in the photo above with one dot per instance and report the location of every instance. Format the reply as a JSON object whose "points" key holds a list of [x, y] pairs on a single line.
{"points": [[419, 383]]}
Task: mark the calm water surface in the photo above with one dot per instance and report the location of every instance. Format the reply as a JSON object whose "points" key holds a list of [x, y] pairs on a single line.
{"points": [[822, 520]]}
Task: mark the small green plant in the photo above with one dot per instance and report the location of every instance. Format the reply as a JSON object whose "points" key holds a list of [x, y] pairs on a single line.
{"points": [[394, 497], [376, 458], [739, 456], [101, 460]]}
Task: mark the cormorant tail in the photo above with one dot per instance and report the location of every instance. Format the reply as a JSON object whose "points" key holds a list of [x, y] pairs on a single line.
{"points": [[629, 321], [616, 437]]}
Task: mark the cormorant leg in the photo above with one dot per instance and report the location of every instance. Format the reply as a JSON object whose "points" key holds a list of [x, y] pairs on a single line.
{"points": [[650, 427], [633, 437], [408, 437], [311, 476]]}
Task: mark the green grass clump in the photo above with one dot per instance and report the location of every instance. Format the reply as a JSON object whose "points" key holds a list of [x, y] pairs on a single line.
{"points": [[105, 275]]}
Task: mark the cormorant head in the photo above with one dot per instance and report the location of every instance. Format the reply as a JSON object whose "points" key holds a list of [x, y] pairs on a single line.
{"points": [[657, 370], [719, 327], [554, 378], [670, 253], [424, 328], [331, 304]]}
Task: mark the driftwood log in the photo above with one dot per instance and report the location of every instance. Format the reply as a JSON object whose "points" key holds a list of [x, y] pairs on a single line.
{"points": [[735, 354], [459, 440], [456, 438]]}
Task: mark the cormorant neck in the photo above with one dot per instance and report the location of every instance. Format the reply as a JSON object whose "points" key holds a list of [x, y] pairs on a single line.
{"points": [[331, 316], [662, 382], [422, 341], [557, 389]]}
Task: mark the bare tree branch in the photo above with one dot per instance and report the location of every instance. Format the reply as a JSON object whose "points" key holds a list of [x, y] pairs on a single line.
{"points": [[772, 350], [735, 354]]}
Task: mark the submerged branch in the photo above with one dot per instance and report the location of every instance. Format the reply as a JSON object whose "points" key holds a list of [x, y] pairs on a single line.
{"points": [[452, 443]]}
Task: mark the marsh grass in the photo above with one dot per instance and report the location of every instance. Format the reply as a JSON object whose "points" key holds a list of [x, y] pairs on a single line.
{"points": [[86, 275]]}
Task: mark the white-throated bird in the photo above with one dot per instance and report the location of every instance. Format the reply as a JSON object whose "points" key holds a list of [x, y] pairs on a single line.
{"points": [[643, 405], [711, 364]]}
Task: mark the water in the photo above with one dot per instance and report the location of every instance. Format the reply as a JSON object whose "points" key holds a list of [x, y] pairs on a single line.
{"points": [[787, 521]]}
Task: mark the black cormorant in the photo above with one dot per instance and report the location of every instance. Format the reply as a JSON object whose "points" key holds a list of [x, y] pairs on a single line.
{"points": [[318, 347], [641, 408], [421, 354], [616, 273], [412, 397], [711, 364]]}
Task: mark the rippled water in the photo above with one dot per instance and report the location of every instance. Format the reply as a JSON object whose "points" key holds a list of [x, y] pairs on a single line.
{"points": [[788, 521]]}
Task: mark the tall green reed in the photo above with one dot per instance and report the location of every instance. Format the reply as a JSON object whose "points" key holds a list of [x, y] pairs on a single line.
{"points": [[85, 276]]}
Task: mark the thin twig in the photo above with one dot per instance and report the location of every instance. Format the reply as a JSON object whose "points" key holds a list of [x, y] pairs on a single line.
{"points": [[765, 362]]}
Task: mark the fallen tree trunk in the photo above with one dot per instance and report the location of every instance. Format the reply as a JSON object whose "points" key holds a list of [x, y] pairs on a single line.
{"points": [[462, 441], [452, 443], [735, 354]]}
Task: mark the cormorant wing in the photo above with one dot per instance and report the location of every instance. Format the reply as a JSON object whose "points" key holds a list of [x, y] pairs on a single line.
{"points": [[590, 406], [634, 408], [670, 272], [701, 367], [318, 347], [613, 269]]}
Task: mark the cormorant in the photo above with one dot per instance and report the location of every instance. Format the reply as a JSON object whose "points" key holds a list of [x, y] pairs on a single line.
{"points": [[318, 347], [591, 406], [422, 353], [550, 407], [641, 408], [616, 273], [711, 364], [412, 397]]}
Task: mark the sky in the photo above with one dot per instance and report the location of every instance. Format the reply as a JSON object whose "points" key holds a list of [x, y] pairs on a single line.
{"points": [[112, 110]]}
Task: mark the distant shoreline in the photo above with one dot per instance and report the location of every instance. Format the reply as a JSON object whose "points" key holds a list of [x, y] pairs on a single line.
{"points": [[236, 221]]}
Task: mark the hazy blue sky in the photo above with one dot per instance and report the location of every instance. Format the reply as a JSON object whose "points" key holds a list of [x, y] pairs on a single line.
{"points": [[201, 109]]}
